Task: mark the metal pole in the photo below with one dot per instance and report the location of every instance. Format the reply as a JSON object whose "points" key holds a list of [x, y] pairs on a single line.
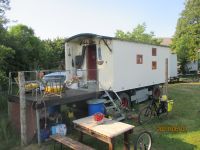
{"points": [[37, 113], [38, 125]]}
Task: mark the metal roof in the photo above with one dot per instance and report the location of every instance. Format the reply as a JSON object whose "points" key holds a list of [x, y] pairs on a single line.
{"points": [[87, 35], [91, 35]]}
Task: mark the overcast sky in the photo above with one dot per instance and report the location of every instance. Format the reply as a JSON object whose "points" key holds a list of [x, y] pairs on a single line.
{"points": [[64, 18]]}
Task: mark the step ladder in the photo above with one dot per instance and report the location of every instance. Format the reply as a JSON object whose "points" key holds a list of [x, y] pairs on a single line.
{"points": [[112, 106]]}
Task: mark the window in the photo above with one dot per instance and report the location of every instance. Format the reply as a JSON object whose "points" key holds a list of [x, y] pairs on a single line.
{"points": [[139, 59], [154, 52], [154, 65]]}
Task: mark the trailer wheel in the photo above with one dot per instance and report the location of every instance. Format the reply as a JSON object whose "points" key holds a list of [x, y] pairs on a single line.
{"points": [[125, 100]]}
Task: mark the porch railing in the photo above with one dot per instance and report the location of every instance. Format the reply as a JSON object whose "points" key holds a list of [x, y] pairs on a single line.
{"points": [[55, 81]]}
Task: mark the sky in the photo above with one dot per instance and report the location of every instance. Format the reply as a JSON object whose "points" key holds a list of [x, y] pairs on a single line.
{"points": [[64, 18]]}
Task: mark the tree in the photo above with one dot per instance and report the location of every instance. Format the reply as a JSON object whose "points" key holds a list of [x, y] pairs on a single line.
{"points": [[27, 47], [6, 52], [186, 41], [138, 34], [4, 6], [55, 52], [5, 55]]}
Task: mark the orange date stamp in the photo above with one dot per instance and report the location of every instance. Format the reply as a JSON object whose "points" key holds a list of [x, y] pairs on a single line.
{"points": [[171, 128]]}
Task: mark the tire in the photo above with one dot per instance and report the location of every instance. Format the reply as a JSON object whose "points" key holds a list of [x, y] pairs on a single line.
{"points": [[125, 101], [145, 115], [143, 142]]}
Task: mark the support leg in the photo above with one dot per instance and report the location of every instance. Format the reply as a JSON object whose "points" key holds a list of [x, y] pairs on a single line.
{"points": [[126, 140], [61, 146], [111, 145], [81, 137], [54, 145]]}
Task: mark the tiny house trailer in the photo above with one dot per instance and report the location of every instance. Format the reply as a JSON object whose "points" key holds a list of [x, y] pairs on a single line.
{"points": [[131, 69]]}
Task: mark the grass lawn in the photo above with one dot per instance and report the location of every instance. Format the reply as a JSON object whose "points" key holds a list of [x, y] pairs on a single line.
{"points": [[186, 113]]}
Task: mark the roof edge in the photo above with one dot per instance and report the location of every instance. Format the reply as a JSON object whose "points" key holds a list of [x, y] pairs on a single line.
{"points": [[92, 35]]}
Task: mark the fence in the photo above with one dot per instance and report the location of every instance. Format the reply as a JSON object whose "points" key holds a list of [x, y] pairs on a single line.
{"points": [[75, 79]]}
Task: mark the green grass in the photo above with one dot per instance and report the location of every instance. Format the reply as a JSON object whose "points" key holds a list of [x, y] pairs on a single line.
{"points": [[186, 112], [8, 137]]}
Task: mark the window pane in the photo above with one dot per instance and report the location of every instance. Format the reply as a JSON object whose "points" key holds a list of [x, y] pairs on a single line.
{"points": [[154, 52], [139, 59], [154, 65]]}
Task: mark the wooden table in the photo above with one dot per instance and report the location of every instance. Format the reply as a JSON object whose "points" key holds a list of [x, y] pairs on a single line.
{"points": [[105, 132]]}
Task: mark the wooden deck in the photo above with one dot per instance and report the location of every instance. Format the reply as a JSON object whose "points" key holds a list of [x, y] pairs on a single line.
{"points": [[69, 96]]}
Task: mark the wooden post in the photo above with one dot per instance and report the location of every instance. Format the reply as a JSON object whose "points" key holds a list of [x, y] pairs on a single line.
{"points": [[22, 108]]}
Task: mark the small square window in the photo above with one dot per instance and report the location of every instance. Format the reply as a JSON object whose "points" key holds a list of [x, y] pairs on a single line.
{"points": [[154, 65], [154, 52], [139, 59]]}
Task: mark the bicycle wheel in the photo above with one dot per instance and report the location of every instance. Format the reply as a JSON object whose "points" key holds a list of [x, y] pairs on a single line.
{"points": [[143, 142], [145, 115]]}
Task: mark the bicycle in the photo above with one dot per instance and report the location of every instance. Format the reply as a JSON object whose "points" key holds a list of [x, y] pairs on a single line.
{"points": [[163, 107], [144, 141]]}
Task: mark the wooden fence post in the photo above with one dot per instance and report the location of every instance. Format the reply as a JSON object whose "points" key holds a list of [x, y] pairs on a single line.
{"points": [[22, 108]]}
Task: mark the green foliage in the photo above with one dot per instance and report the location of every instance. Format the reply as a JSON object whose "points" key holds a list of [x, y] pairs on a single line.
{"points": [[3, 79], [27, 47], [55, 52], [186, 41], [31, 53], [4, 5], [5, 54], [8, 138], [5, 51], [138, 34], [20, 49]]}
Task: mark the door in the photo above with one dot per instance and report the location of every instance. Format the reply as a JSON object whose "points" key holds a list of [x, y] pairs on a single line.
{"points": [[91, 62]]}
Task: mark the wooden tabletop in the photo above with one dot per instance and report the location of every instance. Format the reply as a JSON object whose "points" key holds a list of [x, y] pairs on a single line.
{"points": [[109, 128]]}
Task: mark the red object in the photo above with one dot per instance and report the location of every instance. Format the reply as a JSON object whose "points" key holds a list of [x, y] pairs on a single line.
{"points": [[92, 62], [98, 117], [124, 103]]}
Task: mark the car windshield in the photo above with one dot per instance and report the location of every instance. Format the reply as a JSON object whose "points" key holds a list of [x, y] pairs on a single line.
{"points": [[56, 77]]}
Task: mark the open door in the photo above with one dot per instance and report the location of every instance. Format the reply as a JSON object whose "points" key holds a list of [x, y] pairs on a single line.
{"points": [[91, 62]]}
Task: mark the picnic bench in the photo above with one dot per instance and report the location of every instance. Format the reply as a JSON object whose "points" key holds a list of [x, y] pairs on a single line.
{"points": [[68, 142]]}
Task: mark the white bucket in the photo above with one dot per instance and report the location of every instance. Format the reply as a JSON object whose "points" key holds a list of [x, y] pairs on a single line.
{"points": [[74, 86], [79, 73]]}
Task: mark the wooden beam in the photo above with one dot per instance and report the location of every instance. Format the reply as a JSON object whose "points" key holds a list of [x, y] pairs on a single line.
{"points": [[23, 121]]}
